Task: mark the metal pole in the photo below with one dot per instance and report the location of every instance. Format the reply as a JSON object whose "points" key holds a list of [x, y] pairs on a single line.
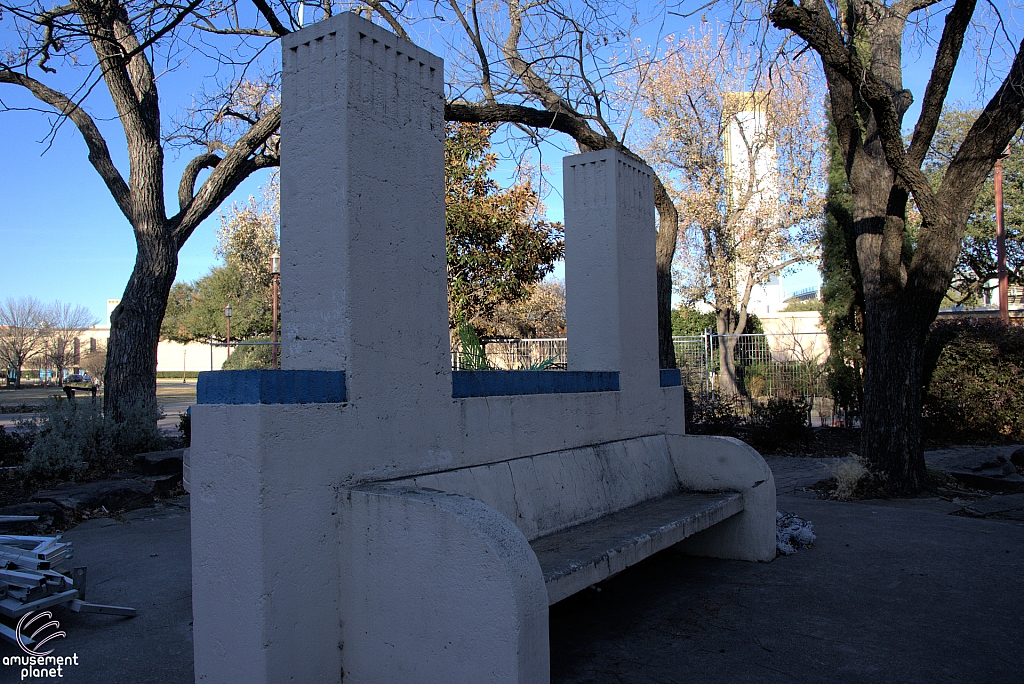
{"points": [[273, 332], [184, 362], [275, 277], [227, 317], [1004, 289]]}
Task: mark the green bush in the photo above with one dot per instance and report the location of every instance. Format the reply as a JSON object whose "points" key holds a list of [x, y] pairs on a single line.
{"points": [[249, 357], [974, 379], [779, 421], [185, 427], [70, 438]]}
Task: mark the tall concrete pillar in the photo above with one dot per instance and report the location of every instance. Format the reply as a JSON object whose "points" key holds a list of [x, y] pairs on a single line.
{"points": [[362, 211], [610, 277], [363, 291]]}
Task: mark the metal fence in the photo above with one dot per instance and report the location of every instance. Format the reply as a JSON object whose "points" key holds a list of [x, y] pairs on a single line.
{"points": [[519, 354], [767, 365]]}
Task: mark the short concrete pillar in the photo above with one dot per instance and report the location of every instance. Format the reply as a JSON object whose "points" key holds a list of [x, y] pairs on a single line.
{"points": [[362, 211], [610, 276]]}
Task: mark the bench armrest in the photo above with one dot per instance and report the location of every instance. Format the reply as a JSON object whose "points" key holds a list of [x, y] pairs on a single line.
{"points": [[438, 588], [705, 463]]}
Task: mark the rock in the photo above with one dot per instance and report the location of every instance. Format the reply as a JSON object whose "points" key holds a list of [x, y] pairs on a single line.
{"points": [[1017, 459], [161, 485], [114, 495], [997, 504], [992, 481], [50, 516], [160, 462]]}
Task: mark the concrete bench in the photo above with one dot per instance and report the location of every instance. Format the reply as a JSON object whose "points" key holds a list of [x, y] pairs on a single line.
{"points": [[367, 514], [521, 534]]}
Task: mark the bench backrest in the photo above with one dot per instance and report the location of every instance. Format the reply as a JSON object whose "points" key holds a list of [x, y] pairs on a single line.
{"points": [[550, 492]]}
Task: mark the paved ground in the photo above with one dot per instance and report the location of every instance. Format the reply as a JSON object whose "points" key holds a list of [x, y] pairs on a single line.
{"points": [[893, 591]]}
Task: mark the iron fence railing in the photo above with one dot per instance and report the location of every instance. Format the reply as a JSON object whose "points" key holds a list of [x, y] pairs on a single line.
{"points": [[518, 354]]}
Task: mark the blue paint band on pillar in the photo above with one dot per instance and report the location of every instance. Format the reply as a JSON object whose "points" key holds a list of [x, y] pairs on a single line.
{"points": [[489, 383], [670, 377], [271, 387]]}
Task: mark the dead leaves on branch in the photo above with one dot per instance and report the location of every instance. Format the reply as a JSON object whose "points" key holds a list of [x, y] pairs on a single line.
{"points": [[742, 156]]}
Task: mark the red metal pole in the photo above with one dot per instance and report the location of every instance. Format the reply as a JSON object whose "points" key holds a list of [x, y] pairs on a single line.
{"points": [[273, 332], [1004, 285]]}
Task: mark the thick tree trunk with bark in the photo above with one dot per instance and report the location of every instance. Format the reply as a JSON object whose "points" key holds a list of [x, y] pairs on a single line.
{"points": [[130, 378], [861, 52], [891, 423]]}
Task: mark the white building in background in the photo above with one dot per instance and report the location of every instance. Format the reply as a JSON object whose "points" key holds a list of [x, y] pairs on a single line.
{"points": [[171, 357], [751, 166]]}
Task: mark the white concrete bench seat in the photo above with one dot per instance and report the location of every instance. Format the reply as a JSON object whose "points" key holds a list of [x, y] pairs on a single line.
{"points": [[579, 557], [589, 513]]}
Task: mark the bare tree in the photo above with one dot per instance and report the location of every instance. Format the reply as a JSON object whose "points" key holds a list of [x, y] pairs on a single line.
{"points": [[745, 167], [94, 359], [21, 332], [64, 325], [121, 44], [861, 48]]}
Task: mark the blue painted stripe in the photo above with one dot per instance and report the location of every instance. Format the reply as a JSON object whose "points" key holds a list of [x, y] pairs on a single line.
{"points": [[271, 387], [489, 383], [670, 377]]}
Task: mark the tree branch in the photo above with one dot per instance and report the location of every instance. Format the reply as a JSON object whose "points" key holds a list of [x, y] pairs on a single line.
{"points": [[379, 8], [236, 165], [275, 24], [99, 154], [565, 122], [946, 56], [186, 189]]}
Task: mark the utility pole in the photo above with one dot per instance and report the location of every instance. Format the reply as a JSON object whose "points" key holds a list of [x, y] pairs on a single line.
{"points": [[1004, 284]]}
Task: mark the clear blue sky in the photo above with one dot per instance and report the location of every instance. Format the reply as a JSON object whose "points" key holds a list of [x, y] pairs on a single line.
{"points": [[62, 237]]}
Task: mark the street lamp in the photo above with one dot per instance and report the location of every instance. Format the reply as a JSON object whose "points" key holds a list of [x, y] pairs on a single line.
{"points": [[227, 316], [1004, 284], [275, 277]]}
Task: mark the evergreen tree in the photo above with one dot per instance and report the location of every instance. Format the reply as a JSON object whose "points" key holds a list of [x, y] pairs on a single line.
{"points": [[841, 291]]}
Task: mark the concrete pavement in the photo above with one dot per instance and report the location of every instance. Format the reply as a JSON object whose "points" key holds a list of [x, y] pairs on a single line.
{"points": [[892, 591]]}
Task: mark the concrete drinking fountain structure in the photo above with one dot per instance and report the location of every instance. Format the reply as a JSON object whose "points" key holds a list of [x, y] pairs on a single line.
{"points": [[364, 513]]}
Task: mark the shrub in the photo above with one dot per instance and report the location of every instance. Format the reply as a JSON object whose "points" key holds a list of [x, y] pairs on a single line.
{"points": [[974, 379], [12, 448], [710, 413], [779, 421], [70, 438], [849, 473], [185, 427], [248, 357]]}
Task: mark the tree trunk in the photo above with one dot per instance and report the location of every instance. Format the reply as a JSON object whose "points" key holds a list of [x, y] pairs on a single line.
{"points": [[130, 376], [668, 235], [891, 417], [727, 382], [727, 340]]}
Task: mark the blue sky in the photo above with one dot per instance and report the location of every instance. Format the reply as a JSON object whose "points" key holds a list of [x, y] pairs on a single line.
{"points": [[62, 237]]}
